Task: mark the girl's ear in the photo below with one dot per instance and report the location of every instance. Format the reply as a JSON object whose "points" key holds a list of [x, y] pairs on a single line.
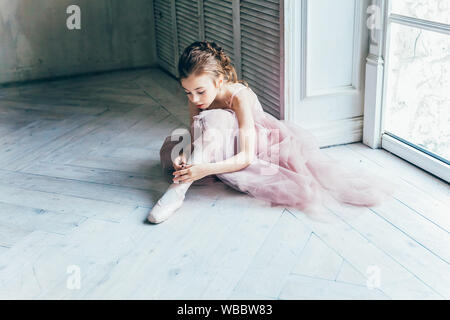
{"points": [[218, 82]]}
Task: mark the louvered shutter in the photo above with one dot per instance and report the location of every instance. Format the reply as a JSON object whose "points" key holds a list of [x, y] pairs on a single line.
{"points": [[165, 33], [261, 54], [218, 15], [188, 23]]}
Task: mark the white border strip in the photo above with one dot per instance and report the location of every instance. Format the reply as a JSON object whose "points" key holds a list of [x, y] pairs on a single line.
{"points": [[416, 157]]}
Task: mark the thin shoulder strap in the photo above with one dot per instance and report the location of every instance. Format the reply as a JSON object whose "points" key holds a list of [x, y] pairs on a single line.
{"points": [[235, 93]]}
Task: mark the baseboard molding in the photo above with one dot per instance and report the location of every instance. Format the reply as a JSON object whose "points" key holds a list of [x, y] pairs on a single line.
{"points": [[337, 132]]}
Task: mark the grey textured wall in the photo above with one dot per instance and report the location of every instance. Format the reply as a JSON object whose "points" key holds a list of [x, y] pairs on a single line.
{"points": [[35, 42]]}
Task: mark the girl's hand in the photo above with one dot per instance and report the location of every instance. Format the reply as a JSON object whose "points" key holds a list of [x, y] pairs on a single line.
{"points": [[179, 162], [191, 173]]}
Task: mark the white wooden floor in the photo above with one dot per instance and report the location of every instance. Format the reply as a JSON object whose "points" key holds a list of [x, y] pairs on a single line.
{"points": [[80, 170]]}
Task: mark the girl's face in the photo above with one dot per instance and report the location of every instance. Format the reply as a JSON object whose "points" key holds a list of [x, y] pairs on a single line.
{"points": [[201, 90]]}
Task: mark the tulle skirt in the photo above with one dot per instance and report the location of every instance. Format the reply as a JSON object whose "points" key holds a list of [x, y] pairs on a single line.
{"points": [[289, 169]]}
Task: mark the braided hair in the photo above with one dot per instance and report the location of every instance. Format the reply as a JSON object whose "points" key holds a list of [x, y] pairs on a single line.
{"points": [[202, 57]]}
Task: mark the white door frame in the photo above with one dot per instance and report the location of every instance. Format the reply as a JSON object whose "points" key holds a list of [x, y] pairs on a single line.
{"points": [[293, 20], [374, 103]]}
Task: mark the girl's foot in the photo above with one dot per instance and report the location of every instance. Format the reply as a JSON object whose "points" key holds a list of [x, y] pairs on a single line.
{"points": [[170, 202]]}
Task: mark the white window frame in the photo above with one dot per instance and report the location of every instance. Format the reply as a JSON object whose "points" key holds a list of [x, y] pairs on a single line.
{"points": [[374, 134]]}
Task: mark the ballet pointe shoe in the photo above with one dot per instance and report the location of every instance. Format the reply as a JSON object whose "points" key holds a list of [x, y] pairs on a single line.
{"points": [[161, 212], [170, 202]]}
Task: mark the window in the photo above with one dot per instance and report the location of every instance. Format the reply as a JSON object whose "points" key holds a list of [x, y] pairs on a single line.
{"points": [[416, 100]]}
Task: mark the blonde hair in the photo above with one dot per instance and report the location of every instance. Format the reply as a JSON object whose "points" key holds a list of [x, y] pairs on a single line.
{"points": [[203, 57]]}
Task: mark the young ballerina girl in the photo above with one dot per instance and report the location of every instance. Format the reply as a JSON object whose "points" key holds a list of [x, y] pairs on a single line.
{"points": [[236, 141]]}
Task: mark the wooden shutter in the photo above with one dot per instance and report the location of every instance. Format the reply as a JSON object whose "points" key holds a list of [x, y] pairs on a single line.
{"points": [[261, 52], [166, 34], [218, 17], [188, 23]]}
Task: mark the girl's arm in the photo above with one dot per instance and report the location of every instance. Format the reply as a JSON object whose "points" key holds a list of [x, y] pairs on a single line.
{"points": [[235, 163]]}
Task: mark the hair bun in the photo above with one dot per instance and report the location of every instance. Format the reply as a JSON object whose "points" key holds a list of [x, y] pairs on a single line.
{"points": [[219, 54], [214, 49]]}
